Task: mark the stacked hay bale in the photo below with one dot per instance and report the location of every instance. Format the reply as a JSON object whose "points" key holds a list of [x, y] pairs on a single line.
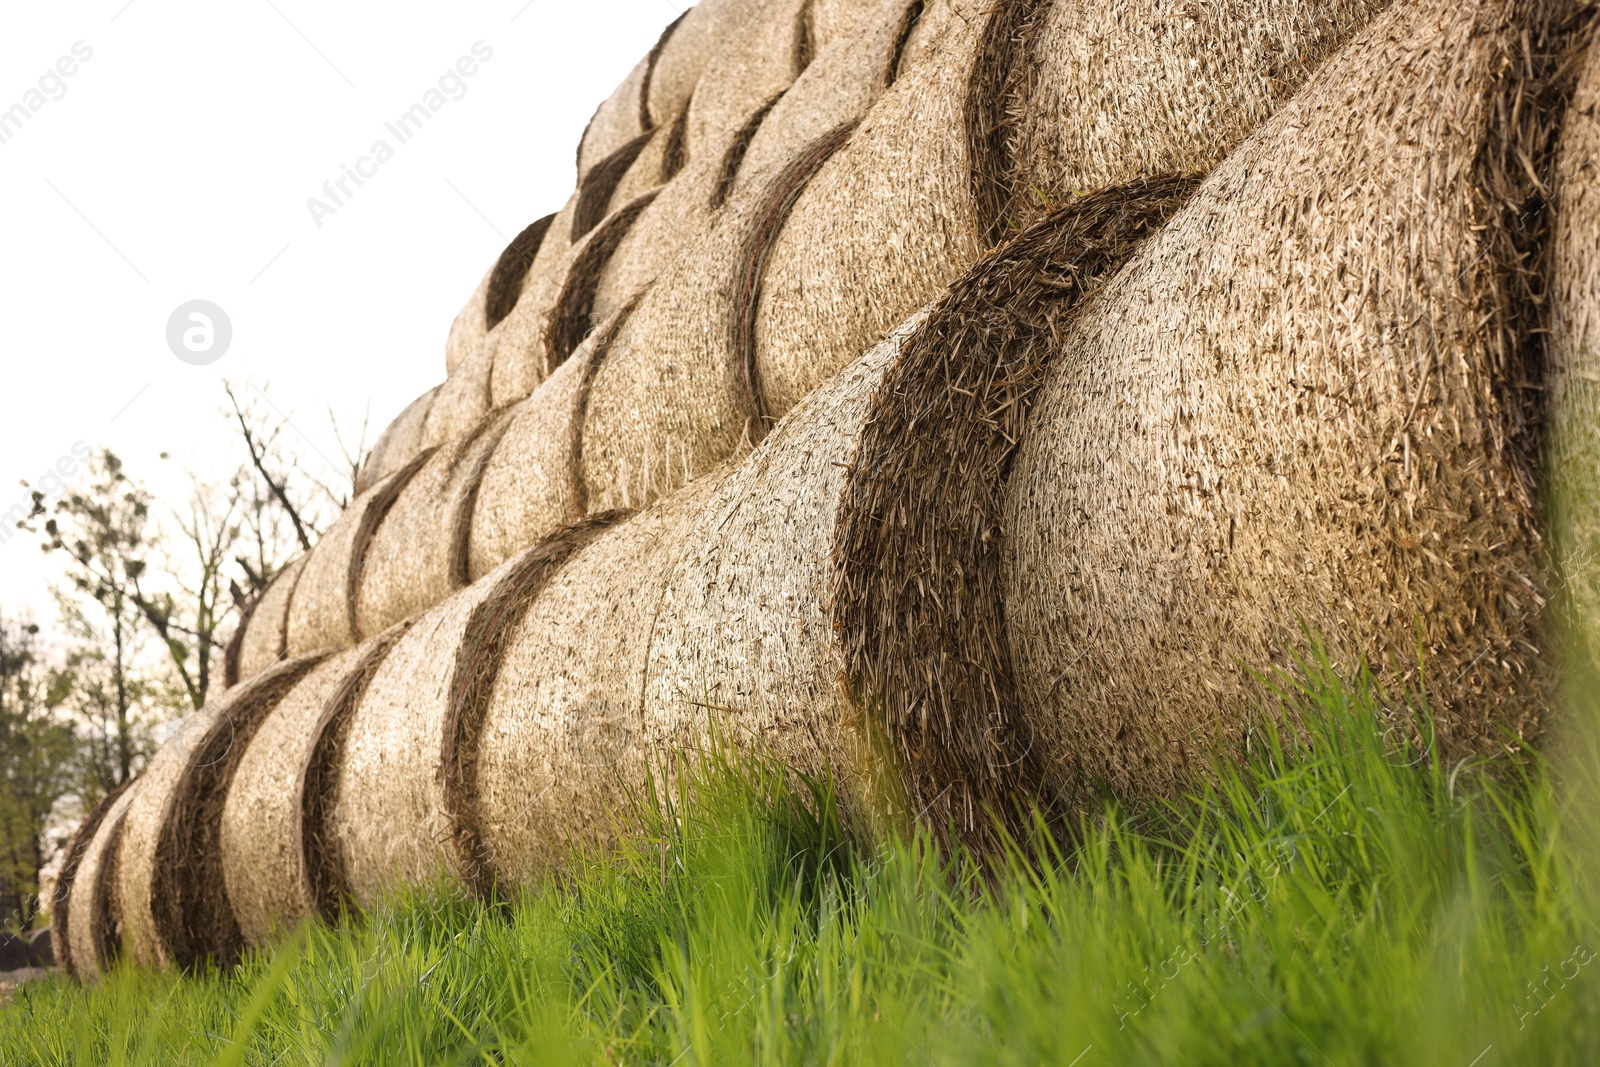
{"points": [[1304, 404], [84, 930]]}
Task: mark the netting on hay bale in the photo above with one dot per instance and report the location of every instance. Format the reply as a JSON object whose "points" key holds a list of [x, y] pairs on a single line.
{"points": [[417, 555], [172, 902], [1572, 371], [1304, 404], [322, 611], [83, 933]]}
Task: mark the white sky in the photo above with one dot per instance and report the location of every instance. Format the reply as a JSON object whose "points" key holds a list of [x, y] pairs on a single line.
{"points": [[177, 165]]}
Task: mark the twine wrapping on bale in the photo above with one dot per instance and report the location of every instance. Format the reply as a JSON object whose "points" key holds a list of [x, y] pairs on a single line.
{"points": [[174, 907], [744, 634], [93, 922], [477, 665], [673, 397], [496, 294], [917, 590], [258, 851], [266, 629], [399, 443], [318, 863], [417, 555], [67, 873], [1305, 404], [556, 748], [322, 613], [1572, 372], [533, 482]]}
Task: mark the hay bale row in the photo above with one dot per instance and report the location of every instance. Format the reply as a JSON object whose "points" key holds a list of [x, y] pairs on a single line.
{"points": [[388, 809], [322, 609], [170, 894], [1572, 371], [1305, 403], [93, 938]]}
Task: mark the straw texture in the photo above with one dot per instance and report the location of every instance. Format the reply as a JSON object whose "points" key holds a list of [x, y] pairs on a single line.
{"points": [[620, 118], [744, 635], [1302, 403], [322, 612], [92, 923], [674, 393], [399, 443], [258, 843], [558, 741], [174, 906], [266, 630], [917, 581], [417, 555], [496, 294], [1573, 368], [66, 875]]}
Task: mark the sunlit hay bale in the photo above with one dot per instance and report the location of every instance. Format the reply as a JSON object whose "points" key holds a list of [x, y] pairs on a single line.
{"points": [[322, 611], [1304, 406], [916, 586], [391, 814], [672, 395], [929, 180], [532, 484], [262, 854], [83, 932], [557, 741], [556, 311], [462, 400], [496, 294], [744, 636], [265, 628], [173, 905], [399, 443], [417, 555], [739, 95], [850, 72], [1572, 372]]}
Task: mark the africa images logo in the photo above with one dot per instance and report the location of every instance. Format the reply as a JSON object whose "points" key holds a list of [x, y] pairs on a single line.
{"points": [[452, 85]]}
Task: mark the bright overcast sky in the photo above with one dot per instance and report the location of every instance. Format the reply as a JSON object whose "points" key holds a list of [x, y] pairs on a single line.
{"points": [[175, 163]]}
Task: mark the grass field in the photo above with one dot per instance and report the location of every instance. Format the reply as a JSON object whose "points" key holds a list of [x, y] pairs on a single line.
{"points": [[1344, 898]]}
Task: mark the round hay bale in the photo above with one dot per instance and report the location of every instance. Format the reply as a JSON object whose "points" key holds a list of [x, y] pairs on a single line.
{"points": [[417, 556], [890, 221], [674, 394], [91, 914], [621, 117], [556, 745], [266, 630], [169, 885], [848, 75], [532, 482], [391, 820], [557, 310], [744, 634], [1114, 92], [322, 612], [1572, 371], [917, 581], [496, 294], [67, 873], [462, 400], [399, 443], [1301, 407], [261, 853], [688, 46]]}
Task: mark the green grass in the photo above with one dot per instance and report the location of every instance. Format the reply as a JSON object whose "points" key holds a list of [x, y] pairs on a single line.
{"points": [[1338, 899]]}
